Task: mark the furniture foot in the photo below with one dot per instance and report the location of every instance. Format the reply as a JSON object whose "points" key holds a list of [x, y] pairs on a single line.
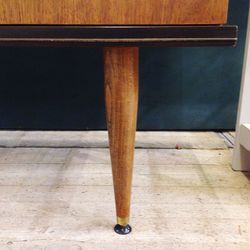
{"points": [[121, 94], [123, 230]]}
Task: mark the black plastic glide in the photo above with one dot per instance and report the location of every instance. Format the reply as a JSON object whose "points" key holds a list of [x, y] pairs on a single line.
{"points": [[123, 230]]}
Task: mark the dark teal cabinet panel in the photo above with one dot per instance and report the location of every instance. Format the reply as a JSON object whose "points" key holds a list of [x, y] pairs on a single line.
{"points": [[180, 88], [193, 88]]}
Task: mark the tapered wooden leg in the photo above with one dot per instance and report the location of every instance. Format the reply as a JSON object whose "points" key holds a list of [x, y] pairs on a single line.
{"points": [[121, 94]]}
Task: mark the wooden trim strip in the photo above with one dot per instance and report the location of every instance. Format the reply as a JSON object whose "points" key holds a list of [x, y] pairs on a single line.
{"points": [[220, 35]]}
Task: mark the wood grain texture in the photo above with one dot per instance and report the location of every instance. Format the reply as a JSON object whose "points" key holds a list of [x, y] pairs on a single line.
{"points": [[121, 91], [113, 11]]}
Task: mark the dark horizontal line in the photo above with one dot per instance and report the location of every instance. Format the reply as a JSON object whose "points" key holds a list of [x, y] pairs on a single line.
{"points": [[221, 35]]}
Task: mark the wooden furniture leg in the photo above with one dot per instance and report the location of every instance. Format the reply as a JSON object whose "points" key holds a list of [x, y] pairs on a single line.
{"points": [[121, 93]]}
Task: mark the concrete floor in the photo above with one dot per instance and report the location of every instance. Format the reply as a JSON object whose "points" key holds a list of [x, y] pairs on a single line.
{"points": [[56, 193]]}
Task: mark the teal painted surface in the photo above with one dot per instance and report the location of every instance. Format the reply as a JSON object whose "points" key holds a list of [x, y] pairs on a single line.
{"points": [[193, 88], [180, 88]]}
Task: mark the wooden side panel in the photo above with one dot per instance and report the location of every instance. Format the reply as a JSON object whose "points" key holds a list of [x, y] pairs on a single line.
{"points": [[113, 11]]}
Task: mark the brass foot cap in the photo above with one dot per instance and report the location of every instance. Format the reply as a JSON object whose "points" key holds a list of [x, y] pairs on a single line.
{"points": [[123, 229]]}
